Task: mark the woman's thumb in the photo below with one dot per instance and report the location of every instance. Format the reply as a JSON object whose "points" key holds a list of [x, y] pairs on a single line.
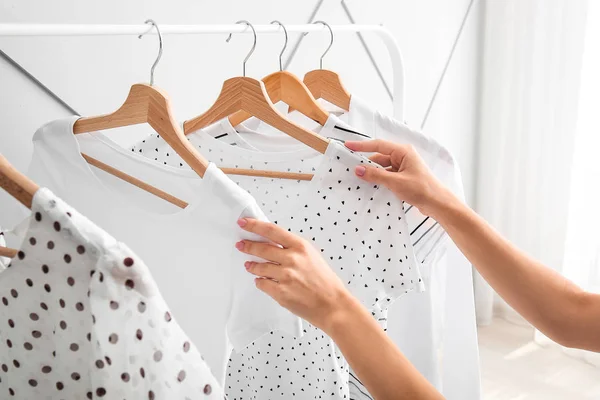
{"points": [[372, 174]]}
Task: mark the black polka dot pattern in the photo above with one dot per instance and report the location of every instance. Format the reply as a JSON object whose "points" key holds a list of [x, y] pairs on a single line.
{"points": [[427, 236], [67, 333], [360, 229]]}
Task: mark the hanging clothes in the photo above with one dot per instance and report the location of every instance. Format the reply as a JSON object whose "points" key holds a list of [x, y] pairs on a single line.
{"points": [[83, 317], [360, 229], [190, 252], [435, 330]]}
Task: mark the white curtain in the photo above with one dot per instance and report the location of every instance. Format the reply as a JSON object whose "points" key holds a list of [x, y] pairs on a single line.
{"points": [[531, 73], [581, 262]]}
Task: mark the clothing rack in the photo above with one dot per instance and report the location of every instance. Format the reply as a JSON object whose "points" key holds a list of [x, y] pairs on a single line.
{"points": [[116, 30]]}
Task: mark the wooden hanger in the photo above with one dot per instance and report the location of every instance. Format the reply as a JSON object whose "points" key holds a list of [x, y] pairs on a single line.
{"points": [[18, 186], [287, 87], [7, 252], [147, 104], [325, 84], [250, 95]]}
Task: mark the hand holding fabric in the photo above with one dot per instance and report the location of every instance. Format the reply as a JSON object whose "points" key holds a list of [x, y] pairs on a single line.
{"points": [[557, 307], [298, 278], [405, 173], [296, 275]]}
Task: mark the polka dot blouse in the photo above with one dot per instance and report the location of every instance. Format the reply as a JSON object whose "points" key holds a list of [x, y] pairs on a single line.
{"points": [[361, 231], [81, 318]]}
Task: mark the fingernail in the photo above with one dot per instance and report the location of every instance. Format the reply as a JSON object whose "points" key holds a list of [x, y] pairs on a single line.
{"points": [[247, 264], [240, 245], [360, 170], [242, 222]]}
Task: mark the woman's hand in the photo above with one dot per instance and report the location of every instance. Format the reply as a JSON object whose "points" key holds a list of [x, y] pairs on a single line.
{"points": [[299, 279], [296, 275], [405, 174], [554, 305]]}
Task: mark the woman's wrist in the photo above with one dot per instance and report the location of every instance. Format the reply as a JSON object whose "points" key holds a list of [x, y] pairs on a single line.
{"points": [[345, 311], [442, 205]]}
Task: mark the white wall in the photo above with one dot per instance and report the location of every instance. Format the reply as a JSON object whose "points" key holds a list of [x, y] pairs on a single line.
{"points": [[93, 74]]}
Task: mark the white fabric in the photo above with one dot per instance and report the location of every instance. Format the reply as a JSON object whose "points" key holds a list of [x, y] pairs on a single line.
{"points": [[190, 252], [435, 330], [3, 260], [361, 231], [82, 317], [530, 84]]}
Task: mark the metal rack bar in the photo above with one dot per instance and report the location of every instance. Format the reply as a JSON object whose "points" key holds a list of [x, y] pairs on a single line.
{"points": [[12, 30]]}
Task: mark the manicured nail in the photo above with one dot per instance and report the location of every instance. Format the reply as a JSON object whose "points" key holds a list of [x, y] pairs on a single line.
{"points": [[242, 222], [240, 245], [360, 170], [248, 264]]}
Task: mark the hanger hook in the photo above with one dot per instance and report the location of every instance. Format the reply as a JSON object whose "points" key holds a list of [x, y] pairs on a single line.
{"points": [[253, 45], [330, 42], [284, 45], [160, 47]]}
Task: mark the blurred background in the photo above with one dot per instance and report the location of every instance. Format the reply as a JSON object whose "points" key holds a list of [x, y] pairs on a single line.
{"points": [[518, 108]]}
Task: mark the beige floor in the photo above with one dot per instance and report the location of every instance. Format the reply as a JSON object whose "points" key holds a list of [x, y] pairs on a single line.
{"points": [[515, 368]]}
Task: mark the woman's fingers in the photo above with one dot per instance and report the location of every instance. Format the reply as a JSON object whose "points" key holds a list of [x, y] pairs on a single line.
{"points": [[381, 159], [379, 176], [263, 250], [266, 270], [373, 146], [269, 231], [270, 287]]}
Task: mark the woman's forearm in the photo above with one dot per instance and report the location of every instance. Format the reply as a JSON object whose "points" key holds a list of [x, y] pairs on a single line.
{"points": [[381, 367], [553, 304], [301, 281]]}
